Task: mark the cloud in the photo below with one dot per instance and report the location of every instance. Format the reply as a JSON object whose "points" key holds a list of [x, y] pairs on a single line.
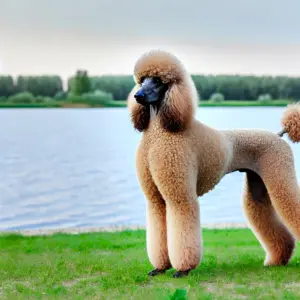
{"points": [[104, 36], [192, 21]]}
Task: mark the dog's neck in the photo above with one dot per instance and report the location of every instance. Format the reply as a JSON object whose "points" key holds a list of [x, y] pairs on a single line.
{"points": [[153, 112], [154, 126]]}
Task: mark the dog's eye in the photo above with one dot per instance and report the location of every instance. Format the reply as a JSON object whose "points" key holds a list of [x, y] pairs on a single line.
{"points": [[142, 79], [156, 80]]}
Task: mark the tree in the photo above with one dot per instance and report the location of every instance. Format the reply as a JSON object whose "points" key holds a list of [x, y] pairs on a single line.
{"points": [[80, 83], [47, 86], [217, 97], [7, 87]]}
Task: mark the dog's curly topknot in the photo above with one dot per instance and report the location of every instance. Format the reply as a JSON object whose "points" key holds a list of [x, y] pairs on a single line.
{"points": [[291, 122], [159, 63]]}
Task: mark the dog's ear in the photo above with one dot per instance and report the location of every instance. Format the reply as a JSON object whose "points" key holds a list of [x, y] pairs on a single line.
{"points": [[177, 110], [140, 115]]}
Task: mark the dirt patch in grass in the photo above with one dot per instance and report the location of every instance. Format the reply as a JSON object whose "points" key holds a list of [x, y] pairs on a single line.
{"points": [[73, 282], [240, 291], [221, 289], [14, 283], [102, 252]]}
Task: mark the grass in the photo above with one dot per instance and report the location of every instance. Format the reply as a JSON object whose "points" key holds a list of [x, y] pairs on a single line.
{"points": [[122, 103], [115, 265]]}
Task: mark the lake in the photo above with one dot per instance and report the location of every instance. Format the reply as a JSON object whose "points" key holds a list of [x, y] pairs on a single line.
{"points": [[76, 167]]}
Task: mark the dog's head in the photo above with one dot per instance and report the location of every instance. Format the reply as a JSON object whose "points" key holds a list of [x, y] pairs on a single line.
{"points": [[163, 89]]}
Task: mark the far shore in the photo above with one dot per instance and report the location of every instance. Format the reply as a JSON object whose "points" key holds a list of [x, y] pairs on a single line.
{"points": [[123, 104]]}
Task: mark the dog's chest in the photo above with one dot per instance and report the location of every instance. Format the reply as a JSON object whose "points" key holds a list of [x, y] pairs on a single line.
{"points": [[211, 168], [207, 183]]}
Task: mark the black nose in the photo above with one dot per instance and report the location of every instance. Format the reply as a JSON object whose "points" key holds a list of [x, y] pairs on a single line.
{"points": [[140, 96]]}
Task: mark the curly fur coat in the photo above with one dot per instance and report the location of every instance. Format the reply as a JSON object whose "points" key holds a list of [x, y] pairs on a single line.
{"points": [[180, 158]]}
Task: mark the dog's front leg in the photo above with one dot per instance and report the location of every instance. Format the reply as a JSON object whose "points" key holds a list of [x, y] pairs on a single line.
{"points": [[157, 236], [184, 235], [156, 232], [175, 178]]}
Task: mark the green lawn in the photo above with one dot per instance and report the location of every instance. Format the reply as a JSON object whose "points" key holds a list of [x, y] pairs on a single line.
{"points": [[115, 266]]}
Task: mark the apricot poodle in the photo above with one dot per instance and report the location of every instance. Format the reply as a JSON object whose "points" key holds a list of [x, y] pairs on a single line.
{"points": [[179, 159]]}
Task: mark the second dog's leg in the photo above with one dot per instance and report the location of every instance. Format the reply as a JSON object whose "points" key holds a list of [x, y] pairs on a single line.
{"points": [[274, 237]]}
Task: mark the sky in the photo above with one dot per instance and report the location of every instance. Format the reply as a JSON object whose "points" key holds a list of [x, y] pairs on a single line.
{"points": [[107, 36]]}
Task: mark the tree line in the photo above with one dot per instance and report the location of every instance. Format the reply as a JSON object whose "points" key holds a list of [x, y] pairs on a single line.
{"points": [[47, 86], [231, 87]]}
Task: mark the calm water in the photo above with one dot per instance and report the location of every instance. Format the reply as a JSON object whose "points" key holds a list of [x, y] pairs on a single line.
{"points": [[63, 168]]}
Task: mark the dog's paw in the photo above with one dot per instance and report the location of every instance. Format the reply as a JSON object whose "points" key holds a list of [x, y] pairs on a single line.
{"points": [[180, 274], [156, 272]]}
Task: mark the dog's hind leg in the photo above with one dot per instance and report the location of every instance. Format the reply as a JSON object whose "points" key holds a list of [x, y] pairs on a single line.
{"points": [[277, 170], [274, 237]]}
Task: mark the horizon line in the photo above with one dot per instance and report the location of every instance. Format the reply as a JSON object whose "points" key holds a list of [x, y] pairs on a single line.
{"points": [[4, 74]]}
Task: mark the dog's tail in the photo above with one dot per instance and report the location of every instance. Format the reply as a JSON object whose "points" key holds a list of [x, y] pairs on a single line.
{"points": [[291, 122]]}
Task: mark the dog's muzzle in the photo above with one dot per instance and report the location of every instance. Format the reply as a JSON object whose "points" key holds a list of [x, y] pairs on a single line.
{"points": [[151, 92]]}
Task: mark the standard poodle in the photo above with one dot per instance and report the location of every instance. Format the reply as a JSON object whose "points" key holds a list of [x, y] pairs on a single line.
{"points": [[180, 159]]}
